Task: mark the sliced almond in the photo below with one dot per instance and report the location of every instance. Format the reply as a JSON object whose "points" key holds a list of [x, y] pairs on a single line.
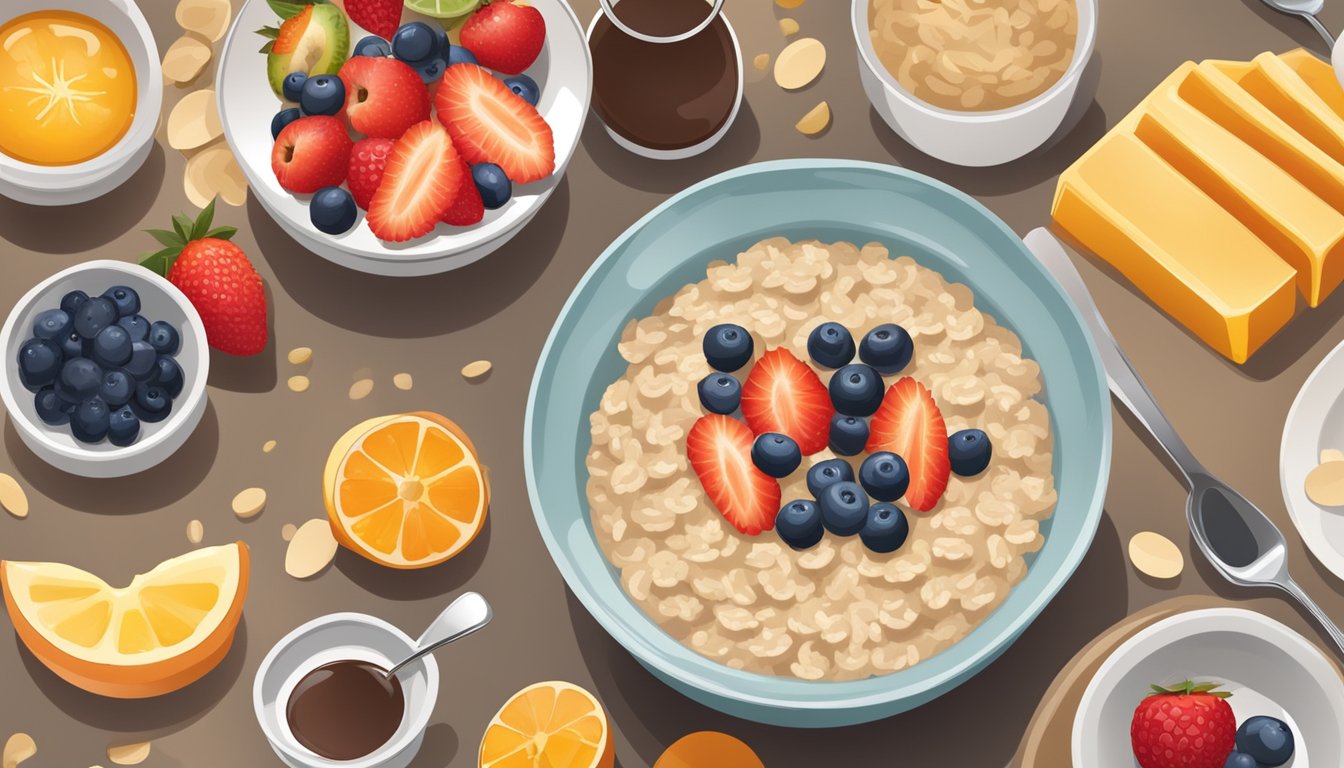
{"points": [[361, 389], [298, 383], [194, 122], [761, 62], [207, 18], [195, 535], [249, 502], [288, 530], [788, 26], [185, 59], [311, 550], [18, 748], [815, 121], [1331, 454], [300, 355], [477, 369], [268, 446], [1155, 555], [129, 754], [12, 497], [1325, 484], [403, 381], [800, 63], [214, 172]]}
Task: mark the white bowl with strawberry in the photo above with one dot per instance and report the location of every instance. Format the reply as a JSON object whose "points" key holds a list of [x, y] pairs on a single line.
{"points": [[398, 144]]}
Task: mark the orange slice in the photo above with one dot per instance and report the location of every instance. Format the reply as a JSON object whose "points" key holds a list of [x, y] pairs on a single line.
{"points": [[406, 491], [705, 748], [549, 725], [166, 630]]}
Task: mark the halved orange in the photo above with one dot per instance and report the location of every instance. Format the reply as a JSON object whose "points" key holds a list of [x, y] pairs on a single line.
{"points": [[549, 725], [166, 630], [709, 748], [406, 491]]}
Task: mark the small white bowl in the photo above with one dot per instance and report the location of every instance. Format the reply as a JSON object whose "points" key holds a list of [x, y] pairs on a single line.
{"points": [[974, 139], [340, 637], [159, 300], [1268, 668], [1315, 423], [81, 182]]}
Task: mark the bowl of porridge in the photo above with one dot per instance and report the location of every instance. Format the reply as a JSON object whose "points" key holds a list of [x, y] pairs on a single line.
{"points": [[974, 82], [845, 627]]}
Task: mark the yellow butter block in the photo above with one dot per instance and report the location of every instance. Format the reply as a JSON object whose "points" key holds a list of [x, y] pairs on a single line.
{"points": [[1319, 76], [1273, 83], [1184, 251]]}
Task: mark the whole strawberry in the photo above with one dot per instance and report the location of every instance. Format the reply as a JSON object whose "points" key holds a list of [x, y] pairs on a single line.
{"points": [[217, 279], [504, 36], [1189, 725], [381, 17]]}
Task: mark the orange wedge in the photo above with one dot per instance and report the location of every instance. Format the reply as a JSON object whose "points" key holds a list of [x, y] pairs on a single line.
{"points": [[406, 491], [166, 630], [549, 725]]}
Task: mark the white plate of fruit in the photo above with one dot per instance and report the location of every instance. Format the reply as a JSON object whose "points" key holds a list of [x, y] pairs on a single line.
{"points": [[400, 143]]}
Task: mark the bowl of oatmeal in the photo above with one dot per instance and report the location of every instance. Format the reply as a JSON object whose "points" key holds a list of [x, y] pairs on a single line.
{"points": [[974, 82], [837, 632]]}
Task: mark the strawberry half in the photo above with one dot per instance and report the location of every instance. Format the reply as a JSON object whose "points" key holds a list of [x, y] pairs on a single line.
{"points": [[383, 97], [782, 394], [492, 124], [311, 153], [419, 183], [467, 208], [368, 159], [719, 449], [909, 424]]}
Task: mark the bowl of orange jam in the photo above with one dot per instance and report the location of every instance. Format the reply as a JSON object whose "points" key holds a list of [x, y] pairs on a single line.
{"points": [[80, 94]]}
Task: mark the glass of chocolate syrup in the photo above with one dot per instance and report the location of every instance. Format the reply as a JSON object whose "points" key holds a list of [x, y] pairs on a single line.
{"points": [[667, 75], [346, 710]]}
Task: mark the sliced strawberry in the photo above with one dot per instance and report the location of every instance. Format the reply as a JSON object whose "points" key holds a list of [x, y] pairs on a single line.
{"points": [[291, 31], [492, 124], [719, 449], [783, 395], [910, 425], [368, 158], [419, 183], [468, 208]]}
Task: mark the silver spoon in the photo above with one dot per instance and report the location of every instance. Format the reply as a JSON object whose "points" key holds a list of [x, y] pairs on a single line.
{"points": [[1242, 542], [1307, 9], [467, 614]]}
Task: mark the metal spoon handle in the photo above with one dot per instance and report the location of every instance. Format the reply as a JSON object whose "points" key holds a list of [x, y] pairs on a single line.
{"points": [[467, 614], [1328, 624], [1316, 23], [1125, 383]]}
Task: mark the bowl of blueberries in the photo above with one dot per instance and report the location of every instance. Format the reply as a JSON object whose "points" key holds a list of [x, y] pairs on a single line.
{"points": [[106, 367]]}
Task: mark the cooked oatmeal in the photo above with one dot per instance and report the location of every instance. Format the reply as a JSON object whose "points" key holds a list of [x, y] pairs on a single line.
{"points": [[836, 611]]}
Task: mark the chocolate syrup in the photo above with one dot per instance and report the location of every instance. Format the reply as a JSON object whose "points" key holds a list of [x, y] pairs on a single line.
{"points": [[664, 95], [345, 710]]}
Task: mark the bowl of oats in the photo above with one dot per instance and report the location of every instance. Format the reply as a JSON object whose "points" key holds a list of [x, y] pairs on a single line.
{"points": [[816, 440], [974, 82]]}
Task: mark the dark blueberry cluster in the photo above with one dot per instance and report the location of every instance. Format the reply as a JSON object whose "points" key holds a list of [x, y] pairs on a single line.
{"points": [[1262, 742], [96, 364]]}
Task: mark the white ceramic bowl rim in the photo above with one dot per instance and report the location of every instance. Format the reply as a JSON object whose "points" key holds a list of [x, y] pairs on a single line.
{"points": [[1314, 405]]}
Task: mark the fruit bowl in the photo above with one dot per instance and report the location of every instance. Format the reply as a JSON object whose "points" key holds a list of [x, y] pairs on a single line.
{"points": [[160, 300], [246, 106]]}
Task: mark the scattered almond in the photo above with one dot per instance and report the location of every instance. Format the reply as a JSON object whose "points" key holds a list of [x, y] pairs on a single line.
{"points": [[788, 26], [1331, 454], [12, 497], [403, 381], [129, 754], [800, 63], [361, 389], [761, 62], [194, 122], [300, 355], [815, 121], [18, 748], [1325, 484], [195, 535], [1155, 555], [268, 446], [310, 550], [213, 172], [185, 59], [287, 532], [207, 18], [249, 502], [476, 370], [299, 383]]}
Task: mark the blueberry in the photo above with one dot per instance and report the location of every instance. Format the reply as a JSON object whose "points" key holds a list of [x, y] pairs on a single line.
{"points": [[373, 45], [170, 377], [123, 427], [431, 69], [799, 524], [164, 338], [414, 41], [1267, 739], [886, 528], [849, 434], [136, 326], [322, 95], [40, 362], [824, 474], [79, 380], [885, 476], [125, 298], [112, 347], [72, 346], [441, 43], [333, 210], [292, 86], [526, 88], [856, 390], [71, 301], [117, 388], [459, 55], [720, 393], [844, 508], [1240, 760], [90, 422], [282, 118], [151, 404], [94, 315], [51, 409], [728, 347], [776, 455], [968, 451], [830, 345], [493, 184], [888, 348], [141, 365], [52, 324]]}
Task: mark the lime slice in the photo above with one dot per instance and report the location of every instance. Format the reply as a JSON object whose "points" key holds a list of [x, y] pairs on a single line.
{"points": [[443, 9]]}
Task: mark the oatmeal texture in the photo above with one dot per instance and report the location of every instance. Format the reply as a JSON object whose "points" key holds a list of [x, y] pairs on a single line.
{"points": [[836, 611], [974, 55]]}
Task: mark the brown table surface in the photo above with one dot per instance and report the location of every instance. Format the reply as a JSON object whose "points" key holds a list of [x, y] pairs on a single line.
{"points": [[501, 309]]}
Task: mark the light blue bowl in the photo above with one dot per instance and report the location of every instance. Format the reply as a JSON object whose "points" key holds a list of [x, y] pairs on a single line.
{"points": [[827, 200]]}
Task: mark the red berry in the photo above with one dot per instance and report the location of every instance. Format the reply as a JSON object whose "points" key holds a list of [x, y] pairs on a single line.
{"points": [[505, 36], [719, 449], [381, 17], [383, 97], [311, 153], [368, 158], [782, 394], [491, 124], [1183, 726], [909, 424], [467, 208]]}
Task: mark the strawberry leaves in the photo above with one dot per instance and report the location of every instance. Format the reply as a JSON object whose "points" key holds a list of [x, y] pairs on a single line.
{"points": [[185, 230], [1190, 688]]}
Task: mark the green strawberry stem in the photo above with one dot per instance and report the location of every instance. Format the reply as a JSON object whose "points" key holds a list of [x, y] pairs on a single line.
{"points": [[184, 231], [1188, 688]]}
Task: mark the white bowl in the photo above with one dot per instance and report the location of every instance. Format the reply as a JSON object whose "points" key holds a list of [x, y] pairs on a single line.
{"points": [[1315, 423], [159, 300], [340, 637], [81, 182], [972, 138], [1268, 668], [564, 72]]}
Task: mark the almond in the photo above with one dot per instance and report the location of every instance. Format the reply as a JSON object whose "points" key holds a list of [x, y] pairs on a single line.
{"points": [[18, 748], [214, 172], [185, 59], [1325, 484], [1155, 555], [815, 121], [194, 121], [311, 550], [298, 383], [249, 503], [129, 754], [403, 381], [12, 497], [195, 535], [476, 370], [207, 18], [361, 389], [800, 63], [300, 355]]}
